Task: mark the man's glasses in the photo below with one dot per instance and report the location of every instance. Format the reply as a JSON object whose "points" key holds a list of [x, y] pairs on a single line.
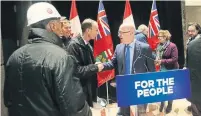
{"points": [[122, 32]]}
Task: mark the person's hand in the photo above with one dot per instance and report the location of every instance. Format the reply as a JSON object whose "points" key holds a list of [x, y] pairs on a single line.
{"points": [[157, 62], [113, 84], [98, 62], [100, 67]]}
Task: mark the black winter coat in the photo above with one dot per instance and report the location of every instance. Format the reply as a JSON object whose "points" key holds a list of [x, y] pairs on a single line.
{"points": [[194, 65], [86, 69], [40, 80]]}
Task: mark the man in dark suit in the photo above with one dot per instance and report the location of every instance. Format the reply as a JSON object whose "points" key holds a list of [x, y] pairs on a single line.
{"points": [[83, 52], [131, 56], [194, 64], [194, 30]]}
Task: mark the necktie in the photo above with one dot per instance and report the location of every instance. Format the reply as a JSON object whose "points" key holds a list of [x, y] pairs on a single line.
{"points": [[127, 58]]}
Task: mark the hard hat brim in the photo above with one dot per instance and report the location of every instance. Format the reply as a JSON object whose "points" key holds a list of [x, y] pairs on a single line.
{"points": [[59, 18]]}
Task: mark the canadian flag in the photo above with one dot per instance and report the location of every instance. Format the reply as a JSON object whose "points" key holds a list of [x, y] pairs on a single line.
{"points": [[74, 19], [128, 16]]}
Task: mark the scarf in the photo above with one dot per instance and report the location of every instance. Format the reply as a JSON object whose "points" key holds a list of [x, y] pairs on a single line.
{"points": [[160, 51]]}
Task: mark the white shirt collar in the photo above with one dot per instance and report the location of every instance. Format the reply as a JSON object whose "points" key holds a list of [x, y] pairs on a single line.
{"points": [[132, 43], [86, 42]]}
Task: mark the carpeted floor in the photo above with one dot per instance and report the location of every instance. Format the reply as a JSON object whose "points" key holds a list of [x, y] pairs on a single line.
{"points": [[179, 109]]}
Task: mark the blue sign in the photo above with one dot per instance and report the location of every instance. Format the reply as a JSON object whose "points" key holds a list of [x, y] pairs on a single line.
{"points": [[152, 87]]}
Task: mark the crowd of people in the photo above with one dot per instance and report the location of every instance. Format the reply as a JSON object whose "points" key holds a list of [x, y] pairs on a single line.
{"points": [[55, 75]]}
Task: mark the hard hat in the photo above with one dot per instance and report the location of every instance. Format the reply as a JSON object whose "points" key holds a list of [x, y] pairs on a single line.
{"points": [[40, 11]]}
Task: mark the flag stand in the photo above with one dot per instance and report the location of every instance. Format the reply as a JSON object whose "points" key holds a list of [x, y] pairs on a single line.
{"points": [[107, 96], [107, 92]]}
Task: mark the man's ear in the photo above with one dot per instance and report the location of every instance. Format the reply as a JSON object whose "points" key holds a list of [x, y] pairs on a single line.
{"points": [[53, 27], [50, 26], [88, 30], [132, 31]]}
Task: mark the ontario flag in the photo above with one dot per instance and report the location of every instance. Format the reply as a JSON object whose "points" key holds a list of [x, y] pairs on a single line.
{"points": [[154, 27], [103, 46], [128, 16], [74, 19]]}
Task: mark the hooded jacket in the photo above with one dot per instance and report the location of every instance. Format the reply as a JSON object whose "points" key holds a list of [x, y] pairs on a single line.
{"points": [[141, 37], [40, 79]]}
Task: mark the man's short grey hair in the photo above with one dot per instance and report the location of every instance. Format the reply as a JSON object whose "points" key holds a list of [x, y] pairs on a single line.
{"points": [[129, 25], [142, 27], [88, 23]]}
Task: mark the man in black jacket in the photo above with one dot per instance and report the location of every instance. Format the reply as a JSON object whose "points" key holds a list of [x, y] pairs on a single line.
{"points": [[40, 77], [194, 30], [193, 62], [86, 69]]}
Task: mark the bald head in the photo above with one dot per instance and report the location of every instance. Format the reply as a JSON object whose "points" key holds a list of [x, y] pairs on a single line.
{"points": [[127, 26], [126, 33]]}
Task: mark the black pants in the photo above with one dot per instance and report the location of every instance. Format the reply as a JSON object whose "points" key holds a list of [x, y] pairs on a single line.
{"points": [[125, 111], [196, 108], [169, 107]]}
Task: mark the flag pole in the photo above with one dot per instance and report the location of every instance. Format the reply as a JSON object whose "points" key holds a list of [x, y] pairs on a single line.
{"points": [[107, 96], [107, 92]]}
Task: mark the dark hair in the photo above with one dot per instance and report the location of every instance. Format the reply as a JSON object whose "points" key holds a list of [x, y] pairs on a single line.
{"points": [[86, 25], [42, 24], [196, 25]]}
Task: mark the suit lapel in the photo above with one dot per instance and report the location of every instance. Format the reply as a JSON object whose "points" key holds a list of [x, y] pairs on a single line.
{"points": [[88, 48], [137, 50], [122, 57]]}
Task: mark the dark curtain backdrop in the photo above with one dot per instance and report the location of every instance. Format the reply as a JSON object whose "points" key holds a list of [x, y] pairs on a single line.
{"points": [[169, 17], [14, 23]]}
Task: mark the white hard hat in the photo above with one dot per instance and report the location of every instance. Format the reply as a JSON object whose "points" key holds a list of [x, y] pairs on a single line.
{"points": [[40, 11]]}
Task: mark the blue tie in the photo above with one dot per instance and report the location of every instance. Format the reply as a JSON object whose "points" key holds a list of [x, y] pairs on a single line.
{"points": [[127, 71]]}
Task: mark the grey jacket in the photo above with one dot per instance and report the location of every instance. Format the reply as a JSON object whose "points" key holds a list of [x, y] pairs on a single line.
{"points": [[141, 37], [142, 59]]}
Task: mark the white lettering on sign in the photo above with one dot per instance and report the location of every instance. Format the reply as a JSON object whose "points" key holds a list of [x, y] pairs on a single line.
{"points": [[144, 84], [146, 88]]}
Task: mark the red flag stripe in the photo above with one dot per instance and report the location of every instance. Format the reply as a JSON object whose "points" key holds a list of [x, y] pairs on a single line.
{"points": [[100, 14], [153, 23], [127, 11], [73, 11], [153, 27]]}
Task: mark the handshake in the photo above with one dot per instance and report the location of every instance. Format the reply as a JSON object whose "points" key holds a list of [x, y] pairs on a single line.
{"points": [[100, 66]]}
